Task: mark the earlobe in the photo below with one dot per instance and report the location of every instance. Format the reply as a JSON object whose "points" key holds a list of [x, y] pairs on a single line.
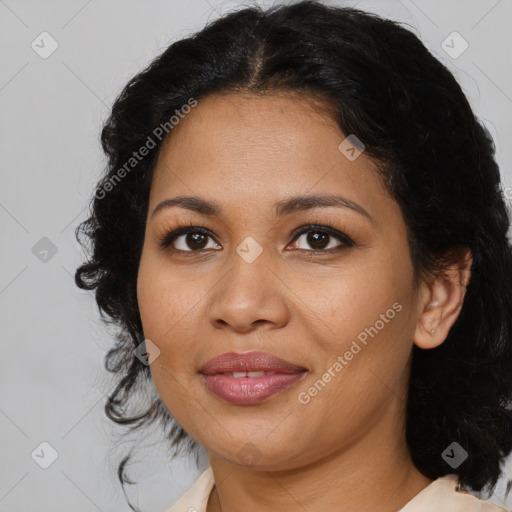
{"points": [[443, 303]]}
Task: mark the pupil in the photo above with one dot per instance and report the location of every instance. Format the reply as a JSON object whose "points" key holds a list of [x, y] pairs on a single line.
{"points": [[196, 237], [313, 239]]}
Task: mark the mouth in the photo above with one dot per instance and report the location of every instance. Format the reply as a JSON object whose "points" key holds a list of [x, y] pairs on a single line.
{"points": [[249, 378], [238, 375]]}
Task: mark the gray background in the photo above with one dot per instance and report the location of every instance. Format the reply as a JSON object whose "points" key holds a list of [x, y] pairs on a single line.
{"points": [[53, 343]]}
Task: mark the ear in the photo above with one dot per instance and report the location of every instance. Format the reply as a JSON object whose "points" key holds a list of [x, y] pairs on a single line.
{"points": [[442, 301]]}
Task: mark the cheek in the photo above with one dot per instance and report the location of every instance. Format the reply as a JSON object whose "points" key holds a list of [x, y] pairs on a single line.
{"points": [[172, 311], [148, 298], [164, 300], [163, 312], [158, 307], [352, 299], [369, 320]]}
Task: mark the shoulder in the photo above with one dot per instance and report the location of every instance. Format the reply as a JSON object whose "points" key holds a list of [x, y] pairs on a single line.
{"points": [[196, 498], [442, 495]]}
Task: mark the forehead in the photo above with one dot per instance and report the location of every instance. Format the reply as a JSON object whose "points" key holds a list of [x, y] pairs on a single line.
{"points": [[260, 148], [232, 127]]}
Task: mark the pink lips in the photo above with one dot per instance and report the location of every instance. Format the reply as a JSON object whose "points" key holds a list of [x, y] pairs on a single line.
{"points": [[222, 376]]}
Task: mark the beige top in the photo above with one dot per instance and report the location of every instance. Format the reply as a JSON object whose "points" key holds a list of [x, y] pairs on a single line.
{"points": [[439, 496]]}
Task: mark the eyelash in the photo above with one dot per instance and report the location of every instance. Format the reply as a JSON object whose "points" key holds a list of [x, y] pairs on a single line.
{"points": [[165, 241]]}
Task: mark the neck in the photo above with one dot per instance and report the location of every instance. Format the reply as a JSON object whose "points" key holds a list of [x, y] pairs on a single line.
{"points": [[374, 472]]}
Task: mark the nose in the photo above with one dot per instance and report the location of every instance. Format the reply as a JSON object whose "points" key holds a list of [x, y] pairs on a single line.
{"points": [[249, 295]]}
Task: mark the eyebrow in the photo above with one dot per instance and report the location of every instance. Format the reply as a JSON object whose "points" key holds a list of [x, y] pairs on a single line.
{"points": [[282, 207]]}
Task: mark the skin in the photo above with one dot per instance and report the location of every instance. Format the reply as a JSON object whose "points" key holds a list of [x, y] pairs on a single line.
{"points": [[347, 445]]}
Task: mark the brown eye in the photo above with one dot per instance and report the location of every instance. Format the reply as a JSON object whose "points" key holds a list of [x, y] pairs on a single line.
{"points": [[189, 239], [322, 238], [195, 240]]}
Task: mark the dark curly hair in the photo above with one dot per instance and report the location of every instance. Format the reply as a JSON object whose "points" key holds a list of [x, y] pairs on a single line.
{"points": [[438, 163]]}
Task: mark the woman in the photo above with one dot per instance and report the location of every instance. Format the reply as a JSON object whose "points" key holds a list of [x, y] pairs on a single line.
{"points": [[302, 235]]}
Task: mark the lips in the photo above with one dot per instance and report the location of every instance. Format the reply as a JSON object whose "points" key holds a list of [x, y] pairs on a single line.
{"points": [[232, 362], [249, 378]]}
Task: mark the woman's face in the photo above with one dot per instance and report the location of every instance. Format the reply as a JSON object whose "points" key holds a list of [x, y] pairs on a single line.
{"points": [[340, 307]]}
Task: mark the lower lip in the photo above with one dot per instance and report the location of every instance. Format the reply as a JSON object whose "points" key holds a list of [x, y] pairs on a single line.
{"points": [[249, 390]]}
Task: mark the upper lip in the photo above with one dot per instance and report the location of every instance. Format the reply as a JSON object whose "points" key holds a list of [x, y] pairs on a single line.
{"points": [[248, 362]]}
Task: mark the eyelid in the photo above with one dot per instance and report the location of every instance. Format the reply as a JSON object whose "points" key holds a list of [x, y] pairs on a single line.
{"points": [[325, 228], [170, 235]]}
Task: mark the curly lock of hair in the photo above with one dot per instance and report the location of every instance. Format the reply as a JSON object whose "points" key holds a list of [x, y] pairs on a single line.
{"points": [[437, 161]]}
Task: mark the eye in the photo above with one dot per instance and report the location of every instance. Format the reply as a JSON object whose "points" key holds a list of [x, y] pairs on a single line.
{"points": [[187, 239], [317, 236], [195, 239]]}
